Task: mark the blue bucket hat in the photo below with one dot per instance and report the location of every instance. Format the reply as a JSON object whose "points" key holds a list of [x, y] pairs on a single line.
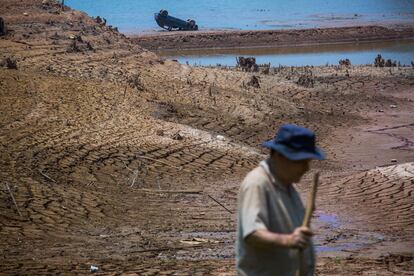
{"points": [[295, 143]]}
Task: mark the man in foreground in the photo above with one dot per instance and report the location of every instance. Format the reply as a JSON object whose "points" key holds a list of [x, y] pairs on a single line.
{"points": [[270, 211]]}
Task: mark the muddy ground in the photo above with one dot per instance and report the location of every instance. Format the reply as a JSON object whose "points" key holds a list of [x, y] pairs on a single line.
{"points": [[110, 155], [165, 40]]}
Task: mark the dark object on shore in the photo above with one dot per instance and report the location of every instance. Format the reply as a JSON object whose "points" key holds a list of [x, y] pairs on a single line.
{"points": [[381, 62], [306, 81], [390, 63], [254, 82], [100, 21], [3, 30], [170, 23], [345, 62], [247, 64], [265, 68], [9, 63], [177, 136]]}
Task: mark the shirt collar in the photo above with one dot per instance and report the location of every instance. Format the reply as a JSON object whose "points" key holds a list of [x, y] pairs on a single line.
{"points": [[265, 165]]}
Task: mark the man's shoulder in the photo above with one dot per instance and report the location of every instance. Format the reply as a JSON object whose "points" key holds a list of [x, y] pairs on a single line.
{"points": [[256, 177]]}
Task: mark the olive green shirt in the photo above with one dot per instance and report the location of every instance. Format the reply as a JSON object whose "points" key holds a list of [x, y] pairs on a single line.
{"points": [[265, 203]]}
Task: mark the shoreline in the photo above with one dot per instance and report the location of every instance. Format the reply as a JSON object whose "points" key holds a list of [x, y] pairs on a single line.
{"points": [[270, 38], [220, 50]]}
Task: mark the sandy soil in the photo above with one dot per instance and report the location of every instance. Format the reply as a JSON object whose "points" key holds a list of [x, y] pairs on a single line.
{"points": [[110, 155]]}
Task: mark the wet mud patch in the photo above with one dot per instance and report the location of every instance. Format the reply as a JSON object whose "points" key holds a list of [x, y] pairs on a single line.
{"points": [[332, 239]]}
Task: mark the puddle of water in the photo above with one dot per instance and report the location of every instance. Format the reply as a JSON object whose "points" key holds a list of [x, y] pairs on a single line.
{"points": [[331, 238], [315, 55], [349, 242], [336, 248], [331, 220]]}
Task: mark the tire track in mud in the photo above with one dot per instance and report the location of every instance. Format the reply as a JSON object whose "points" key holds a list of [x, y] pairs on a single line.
{"points": [[67, 155], [381, 199], [59, 208]]}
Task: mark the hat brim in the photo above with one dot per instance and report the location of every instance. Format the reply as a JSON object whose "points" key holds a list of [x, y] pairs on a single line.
{"points": [[293, 154]]}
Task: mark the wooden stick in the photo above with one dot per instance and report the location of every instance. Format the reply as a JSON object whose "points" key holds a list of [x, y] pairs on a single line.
{"points": [[171, 191], [13, 199], [134, 179], [126, 166], [310, 207], [310, 204], [219, 204], [46, 176], [160, 161], [165, 249], [135, 173]]}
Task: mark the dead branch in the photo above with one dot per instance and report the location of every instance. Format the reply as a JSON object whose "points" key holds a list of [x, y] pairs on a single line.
{"points": [[91, 183], [13, 199], [158, 181], [126, 166], [135, 173], [219, 204], [160, 161], [135, 178], [172, 191], [165, 249], [46, 176]]}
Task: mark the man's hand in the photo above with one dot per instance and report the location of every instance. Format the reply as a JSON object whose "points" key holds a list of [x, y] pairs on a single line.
{"points": [[300, 238]]}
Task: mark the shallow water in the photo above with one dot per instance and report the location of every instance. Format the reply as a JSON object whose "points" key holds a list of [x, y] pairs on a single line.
{"points": [[331, 220], [357, 53], [137, 16], [332, 238]]}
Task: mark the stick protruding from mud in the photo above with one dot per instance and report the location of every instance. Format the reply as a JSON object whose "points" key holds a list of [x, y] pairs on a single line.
{"points": [[13, 199], [46, 176], [216, 201]]}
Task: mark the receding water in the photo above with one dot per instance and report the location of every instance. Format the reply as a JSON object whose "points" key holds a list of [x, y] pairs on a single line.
{"points": [[357, 53], [332, 238], [135, 16]]}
